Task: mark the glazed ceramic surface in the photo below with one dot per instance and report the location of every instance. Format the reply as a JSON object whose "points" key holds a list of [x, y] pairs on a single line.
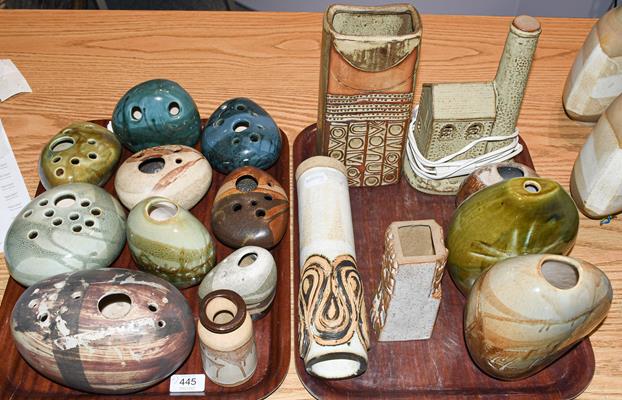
{"points": [[103, 331], [368, 70], [595, 79], [334, 335], [226, 338], [488, 175], [69, 228], [179, 173], [525, 312], [81, 152], [596, 182], [168, 241], [511, 218], [251, 273], [241, 133], [250, 209], [407, 300], [154, 113]]}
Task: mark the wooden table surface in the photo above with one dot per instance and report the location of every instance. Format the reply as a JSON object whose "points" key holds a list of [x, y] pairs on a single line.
{"points": [[79, 63]]}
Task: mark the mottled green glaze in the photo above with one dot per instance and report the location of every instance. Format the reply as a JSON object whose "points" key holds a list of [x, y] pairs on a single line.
{"points": [[507, 220], [69, 228], [168, 241], [155, 113], [81, 152]]}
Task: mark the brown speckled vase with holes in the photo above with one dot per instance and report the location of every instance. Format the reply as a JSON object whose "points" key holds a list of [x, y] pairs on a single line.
{"points": [[82, 152], [250, 209], [177, 172], [103, 331], [227, 339], [69, 228]]}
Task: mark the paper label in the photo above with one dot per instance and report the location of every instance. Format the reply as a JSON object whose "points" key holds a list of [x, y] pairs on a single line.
{"points": [[187, 383], [12, 81], [13, 192]]}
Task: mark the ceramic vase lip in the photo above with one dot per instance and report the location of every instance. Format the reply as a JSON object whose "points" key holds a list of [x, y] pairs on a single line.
{"points": [[320, 162], [526, 26], [226, 327], [568, 261], [151, 202]]}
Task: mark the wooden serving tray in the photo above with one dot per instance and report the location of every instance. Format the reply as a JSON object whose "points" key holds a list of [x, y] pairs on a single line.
{"points": [[438, 368], [272, 333]]}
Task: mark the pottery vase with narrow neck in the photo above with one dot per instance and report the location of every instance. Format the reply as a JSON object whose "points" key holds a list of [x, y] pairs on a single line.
{"points": [[526, 312]]}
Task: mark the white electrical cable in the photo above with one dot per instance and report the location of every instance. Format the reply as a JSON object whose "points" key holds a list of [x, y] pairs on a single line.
{"points": [[445, 168]]}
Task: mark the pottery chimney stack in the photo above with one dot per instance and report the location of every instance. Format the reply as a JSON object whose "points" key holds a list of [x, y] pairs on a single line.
{"points": [[513, 71]]}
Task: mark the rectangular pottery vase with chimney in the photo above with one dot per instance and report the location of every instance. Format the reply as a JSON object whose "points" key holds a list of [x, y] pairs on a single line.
{"points": [[367, 78]]}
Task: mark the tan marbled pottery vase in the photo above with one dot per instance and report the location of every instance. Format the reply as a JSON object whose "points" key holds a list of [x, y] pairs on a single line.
{"points": [[525, 312]]}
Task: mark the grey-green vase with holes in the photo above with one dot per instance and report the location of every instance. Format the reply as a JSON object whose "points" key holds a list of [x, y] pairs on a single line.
{"points": [[72, 227]]}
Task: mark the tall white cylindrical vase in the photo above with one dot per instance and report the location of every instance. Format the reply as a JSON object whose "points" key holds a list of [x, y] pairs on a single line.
{"points": [[333, 328]]}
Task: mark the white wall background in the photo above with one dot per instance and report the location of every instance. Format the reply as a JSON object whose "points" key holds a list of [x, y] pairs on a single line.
{"points": [[542, 8]]}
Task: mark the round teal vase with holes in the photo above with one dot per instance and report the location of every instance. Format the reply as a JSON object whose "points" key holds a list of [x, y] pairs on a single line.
{"points": [[72, 227], [241, 133], [168, 241], [155, 113]]}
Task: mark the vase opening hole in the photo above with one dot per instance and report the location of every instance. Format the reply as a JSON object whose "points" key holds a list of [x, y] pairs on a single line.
{"points": [[33, 304], [360, 23], [219, 122], [178, 161], [152, 307], [59, 172], [247, 259], [254, 138], [268, 197], [241, 126], [89, 222], [174, 109], [532, 186], [85, 203], [43, 317], [76, 295], [510, 172], [65, 200], [223, 317], [93, 156], [136, 113], [57, 222], [33, 235], [56, 159], [77, 228], [162, 211], [161, 324], [62, 143], [151, 165], [75, 161], [49, 213], [416, 240], [92, 141], [96, 212], [43, 203], [237, 207], [260, 213], [114, 305], [240, 107], [27, 213], [560, 274], [221, 310], [246, 183]]}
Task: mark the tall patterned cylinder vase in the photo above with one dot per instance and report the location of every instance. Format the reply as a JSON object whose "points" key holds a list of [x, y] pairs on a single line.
{"points": [[333, 330], [369, 62], [227, 339]]}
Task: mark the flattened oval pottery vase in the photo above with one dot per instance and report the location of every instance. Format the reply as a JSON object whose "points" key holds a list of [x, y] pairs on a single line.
{"points": [[526, 312], [511, 218], [226, 338], [69, 228], [179, 173], [250, 209], [168, 241], [488, 175], [103, 331], [241, 133], [82, 152], [154, 113], [251, 273]]}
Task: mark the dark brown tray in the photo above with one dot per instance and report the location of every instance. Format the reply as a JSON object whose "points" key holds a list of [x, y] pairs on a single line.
{"points": [[440, 367], [272, 333]]}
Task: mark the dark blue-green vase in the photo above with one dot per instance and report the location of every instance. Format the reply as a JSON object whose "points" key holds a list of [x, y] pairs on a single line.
{"points": [[154, 113], [240, 133]]}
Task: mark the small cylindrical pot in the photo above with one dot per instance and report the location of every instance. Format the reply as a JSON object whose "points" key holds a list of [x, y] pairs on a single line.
{"points": [[367, 82], [596, 182], [525, 312], [333, 333], [226, 337]]}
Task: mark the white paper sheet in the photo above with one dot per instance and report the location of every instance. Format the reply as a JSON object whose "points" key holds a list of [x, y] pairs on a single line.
{"points": [[12, 81], [13, 192]]}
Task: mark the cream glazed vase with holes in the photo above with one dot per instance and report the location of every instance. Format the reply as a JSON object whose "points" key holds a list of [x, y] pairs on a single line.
{"points": [[251, 273], [69, 228], [596, 182], [226, 338], [110, 330], [81, 152], [179, 173], [168, 241], [595, 79], [526, 312]]}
